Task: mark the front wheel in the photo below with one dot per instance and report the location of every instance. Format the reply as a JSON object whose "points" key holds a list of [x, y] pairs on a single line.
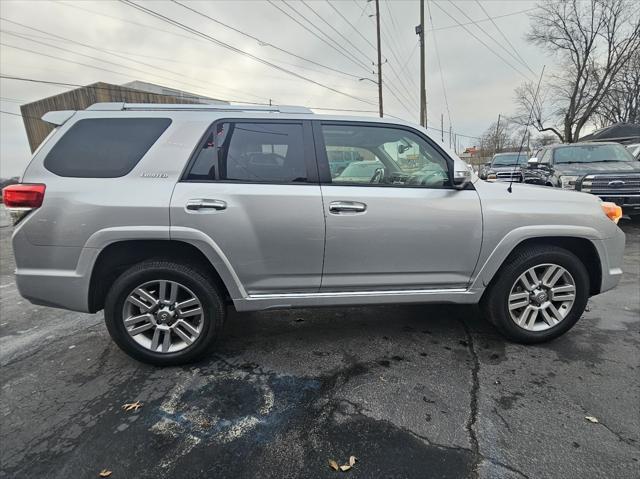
{"points": [[164, 313], [539, 294]]}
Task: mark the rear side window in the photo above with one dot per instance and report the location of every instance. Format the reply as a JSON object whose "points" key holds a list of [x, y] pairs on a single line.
{"points": [[104, 147], [251, 153]]}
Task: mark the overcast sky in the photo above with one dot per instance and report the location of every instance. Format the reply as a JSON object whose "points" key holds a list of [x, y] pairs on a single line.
{"points": [[478, 84]]}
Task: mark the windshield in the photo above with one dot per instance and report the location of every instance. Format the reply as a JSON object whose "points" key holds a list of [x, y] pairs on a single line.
{"points": [[509, 160], [591, 154]]}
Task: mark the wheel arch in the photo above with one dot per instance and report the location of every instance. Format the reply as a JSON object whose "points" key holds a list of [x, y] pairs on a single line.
{"points": [[582, 247], [116, 257]]}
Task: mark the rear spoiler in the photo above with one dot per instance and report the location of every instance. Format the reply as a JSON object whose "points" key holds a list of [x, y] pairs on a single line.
{"points": [[58, 118]]}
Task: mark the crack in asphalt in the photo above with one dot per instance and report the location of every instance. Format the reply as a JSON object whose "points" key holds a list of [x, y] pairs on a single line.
{"points": [[619, 436], [473, 402]]}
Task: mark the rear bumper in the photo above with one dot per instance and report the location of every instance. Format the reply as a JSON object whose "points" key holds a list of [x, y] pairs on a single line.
{"points": [[53, 276], [57, 289]]}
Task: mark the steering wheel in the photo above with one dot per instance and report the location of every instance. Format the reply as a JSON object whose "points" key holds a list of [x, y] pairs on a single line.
{"points": [[378, 175]]}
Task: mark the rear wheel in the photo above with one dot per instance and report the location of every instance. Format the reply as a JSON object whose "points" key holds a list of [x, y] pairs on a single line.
{"points": [[538, 295], [164, 313]]}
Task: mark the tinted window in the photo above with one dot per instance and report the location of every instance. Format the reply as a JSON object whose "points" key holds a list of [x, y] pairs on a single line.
{"points": [[104, 147], [252, 152], [382, 156], [509, 159]]}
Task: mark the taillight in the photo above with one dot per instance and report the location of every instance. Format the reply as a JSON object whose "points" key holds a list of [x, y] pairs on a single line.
{"points": [[22, 198]]}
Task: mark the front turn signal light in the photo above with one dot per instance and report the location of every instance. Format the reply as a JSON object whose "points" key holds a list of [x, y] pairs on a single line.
{"points": [[613, 211]]}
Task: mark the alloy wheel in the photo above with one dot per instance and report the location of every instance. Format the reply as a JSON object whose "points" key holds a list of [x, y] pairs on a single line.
{"points": [[163, 316], [542, 297]]}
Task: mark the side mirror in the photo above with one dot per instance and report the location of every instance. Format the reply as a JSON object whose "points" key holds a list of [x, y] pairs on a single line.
{"points": [[533, 162], [402, 148], [461, 178]]}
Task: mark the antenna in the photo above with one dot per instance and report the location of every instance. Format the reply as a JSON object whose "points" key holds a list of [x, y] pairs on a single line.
{"points": [[526, 130]]}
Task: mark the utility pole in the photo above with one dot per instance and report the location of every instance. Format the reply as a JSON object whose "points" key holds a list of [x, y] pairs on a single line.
{"points": [[497, 143], [379, 59], [442, 126], [423, 92]]}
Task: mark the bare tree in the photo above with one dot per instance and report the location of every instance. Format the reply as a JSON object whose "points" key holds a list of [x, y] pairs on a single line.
{"points": [[499, 137], [622, 101], [593, 40]]}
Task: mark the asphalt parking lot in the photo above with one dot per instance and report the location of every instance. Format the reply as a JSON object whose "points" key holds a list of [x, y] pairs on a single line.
{"points": [[411, 391]]}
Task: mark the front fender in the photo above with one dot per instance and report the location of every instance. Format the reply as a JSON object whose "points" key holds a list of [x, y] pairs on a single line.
{"points": [[485, 272]]}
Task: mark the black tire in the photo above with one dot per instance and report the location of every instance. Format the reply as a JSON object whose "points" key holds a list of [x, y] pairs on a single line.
{"points": [[495, 300], [198, 282]]}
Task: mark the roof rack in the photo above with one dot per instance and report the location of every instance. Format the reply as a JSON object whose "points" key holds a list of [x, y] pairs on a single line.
{"points": [[196, 107]]}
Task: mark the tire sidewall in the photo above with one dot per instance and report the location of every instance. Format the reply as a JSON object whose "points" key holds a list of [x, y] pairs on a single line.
{"points": [[502, 317], [206, 293]]}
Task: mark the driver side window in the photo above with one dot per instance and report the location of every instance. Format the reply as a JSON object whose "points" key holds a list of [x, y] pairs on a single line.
{"points": [[382, 156], [546, 157]]}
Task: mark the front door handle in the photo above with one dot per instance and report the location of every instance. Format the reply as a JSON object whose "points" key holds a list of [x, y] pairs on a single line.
{"points": [[205, 204], [347, 207]]}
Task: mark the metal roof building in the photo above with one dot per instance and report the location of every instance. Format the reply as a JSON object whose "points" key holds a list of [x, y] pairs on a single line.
{"points": [[83, 97]]}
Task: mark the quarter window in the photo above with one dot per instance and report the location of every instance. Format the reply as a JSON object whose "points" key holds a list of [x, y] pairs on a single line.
{"points": [[104, 147], [382, 156], [252, 152]]}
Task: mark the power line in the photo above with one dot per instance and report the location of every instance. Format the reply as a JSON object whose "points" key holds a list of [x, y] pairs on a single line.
{"points": [[10, 113], [346, 53], [311, 31], [335, 29], [482, 42], [256, 58], [410, 92], [88, 56], [449, 27], [515, 50], [77, 85], [435, 43], [521, 62], [352, 25], [119, 55], [12, 100], [92, 87], [263, 42], [64, 59], [186, 97]]}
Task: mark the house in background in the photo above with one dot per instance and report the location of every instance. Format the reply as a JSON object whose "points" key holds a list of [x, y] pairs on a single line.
{"points": [[83, 97]]}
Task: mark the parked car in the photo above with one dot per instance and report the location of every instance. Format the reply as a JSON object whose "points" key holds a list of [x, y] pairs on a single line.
{"points": [[359, 171], [505, 167], [341, 159], [162, 215], [634, 149], [607, 170]]}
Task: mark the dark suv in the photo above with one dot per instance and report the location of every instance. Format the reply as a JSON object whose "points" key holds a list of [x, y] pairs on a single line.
{"points": [[504, 167], [604, 169]]}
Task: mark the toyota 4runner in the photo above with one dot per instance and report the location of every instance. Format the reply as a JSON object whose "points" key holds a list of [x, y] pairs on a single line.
{"points": [[163, 214]]}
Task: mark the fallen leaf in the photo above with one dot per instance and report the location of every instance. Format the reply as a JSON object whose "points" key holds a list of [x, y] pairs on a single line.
{"points": [[104, 473], [132, 406], [333, 465], [592, 419], [352, 460], [345, 467]]}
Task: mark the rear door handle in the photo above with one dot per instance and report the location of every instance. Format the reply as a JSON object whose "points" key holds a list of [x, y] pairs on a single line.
{"points": [[347, 207], [205, 204]]}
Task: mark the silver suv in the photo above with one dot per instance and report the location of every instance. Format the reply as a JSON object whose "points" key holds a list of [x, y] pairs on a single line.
{"points": [[163, 214]]}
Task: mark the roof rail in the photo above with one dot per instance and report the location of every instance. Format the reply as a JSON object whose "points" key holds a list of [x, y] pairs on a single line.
{"points": [[196, 107]]}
